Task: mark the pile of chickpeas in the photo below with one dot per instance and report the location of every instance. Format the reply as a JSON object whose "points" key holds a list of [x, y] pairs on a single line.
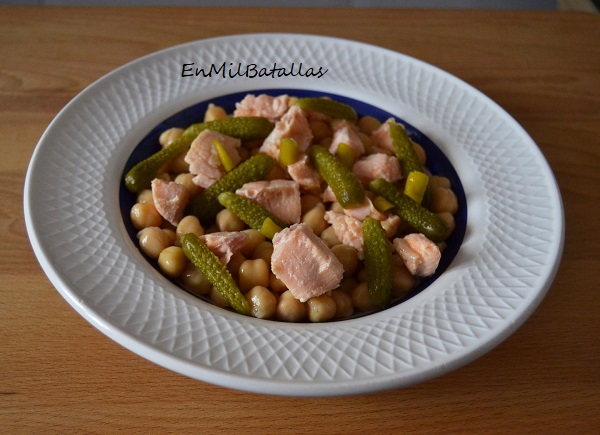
{"points": [[267, 296]]}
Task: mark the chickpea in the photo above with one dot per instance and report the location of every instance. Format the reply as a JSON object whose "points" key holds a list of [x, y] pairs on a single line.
{"points": [[368, 124], [195, 281], [263, 250], [343, 304], [144, 215], [234, 263], [186, 180], [163, 173], [152, 241], [178, 165], [361, 275], [348, 256], [309, 201], [218, 299], [449, 218], [336, 207], [437, 181], [263, 303], [421, 155], [321, 308], [366, 140], [290, 309], [361, 298], [228, 221], [189, 224], [276, 284], [169, 136], [330, 237], [315, 219], [347, 285], [214, 113], [443, 199], [254, 239], [277, 173], [403, 281], [145, 196], [172, 261], [320, 129], [253, 273], [171, 233]]}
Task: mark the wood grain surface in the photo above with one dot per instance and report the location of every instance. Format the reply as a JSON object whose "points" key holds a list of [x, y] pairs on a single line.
{"points": [[60, 375]]}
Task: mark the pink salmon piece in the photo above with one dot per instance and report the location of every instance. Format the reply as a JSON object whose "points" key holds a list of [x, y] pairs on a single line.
{"points": [[292, 125], [225, 243], [280, 197], [265, 106], [348, 230], [170, 199], [203, 158], [305, 175], [381, 137], [377, 165], [345, 133], [420, 255], [303, 262]]}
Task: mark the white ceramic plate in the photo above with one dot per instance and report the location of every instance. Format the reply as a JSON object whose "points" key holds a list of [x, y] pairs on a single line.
{"points": [[507, 260]]}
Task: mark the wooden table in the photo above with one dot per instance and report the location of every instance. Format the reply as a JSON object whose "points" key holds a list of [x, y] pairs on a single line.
{"points": [[60, 375]]}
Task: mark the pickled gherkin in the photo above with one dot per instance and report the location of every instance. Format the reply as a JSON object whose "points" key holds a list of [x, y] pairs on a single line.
{"points": [[378, 262], [421, 219], [326, 106], [245, 128], [206, 206], [348, 190], [216, 272], [403, 147], [248, 211]]}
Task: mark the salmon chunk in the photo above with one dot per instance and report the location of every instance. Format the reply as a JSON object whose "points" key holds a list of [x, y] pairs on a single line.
{"points": [[365, 210], [377, 165], [305, 175], [345, 133], [203, 158], [348, 226], [280, 197], [348, 230], [266, 106], [303, 262], [381, 137], [170, 199], [420, 255], [225, 243], [292, 125]]}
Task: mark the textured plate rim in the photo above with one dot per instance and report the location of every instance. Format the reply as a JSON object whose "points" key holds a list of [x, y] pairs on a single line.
{"points": [[292, 386]]}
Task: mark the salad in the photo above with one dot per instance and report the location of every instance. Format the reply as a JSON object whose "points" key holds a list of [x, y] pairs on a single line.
{"points": [[292, 209]]}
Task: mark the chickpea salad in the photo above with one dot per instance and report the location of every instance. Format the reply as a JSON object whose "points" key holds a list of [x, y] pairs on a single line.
{"points": [[294, 208]]}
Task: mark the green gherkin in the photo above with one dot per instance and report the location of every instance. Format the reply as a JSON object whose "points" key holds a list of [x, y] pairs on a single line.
{"points": [[206, 206], [378, 262], [348, 190], [404, 150], [421, 219], [335, 109], [216, 272], [247, 210], [245, 128]]}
